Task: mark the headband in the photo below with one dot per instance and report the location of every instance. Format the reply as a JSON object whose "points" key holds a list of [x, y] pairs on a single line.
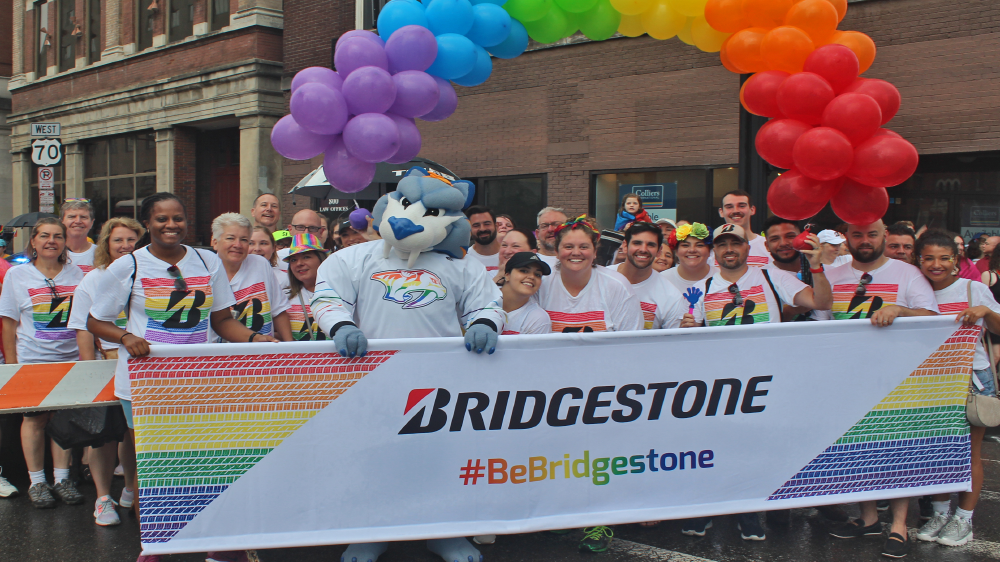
{"points": [[696, 230], [578, 222]]}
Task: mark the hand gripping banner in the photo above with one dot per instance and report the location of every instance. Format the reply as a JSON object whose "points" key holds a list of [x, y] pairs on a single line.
{"points": [[423, 439]]}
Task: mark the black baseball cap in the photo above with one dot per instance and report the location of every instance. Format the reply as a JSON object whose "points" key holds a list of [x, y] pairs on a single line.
{"points": [[522, 259], [344, 224]]}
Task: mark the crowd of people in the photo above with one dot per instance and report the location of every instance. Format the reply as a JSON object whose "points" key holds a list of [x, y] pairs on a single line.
{"points": [[139, 284]]}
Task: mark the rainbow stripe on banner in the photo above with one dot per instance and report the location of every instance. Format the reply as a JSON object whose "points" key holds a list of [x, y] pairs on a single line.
{"points": [[201, 423], [917, 436]]}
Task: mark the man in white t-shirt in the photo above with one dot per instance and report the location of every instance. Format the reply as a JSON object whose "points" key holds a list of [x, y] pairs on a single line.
{"points": [[736, 209], [77, 215], [306, 220], [662, 304], [548, 220], [485, 246]]}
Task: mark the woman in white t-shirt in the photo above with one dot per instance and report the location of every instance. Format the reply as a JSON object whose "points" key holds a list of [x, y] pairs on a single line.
{"points": [[522, 278], [304, 257], [262, 244], [692, 246], [118, 238], [35, 307], [261, 305], [971, 301], [584, 297], [520, 241]]}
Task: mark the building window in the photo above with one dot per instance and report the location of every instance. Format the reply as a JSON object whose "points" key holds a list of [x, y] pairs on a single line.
{"points": [[521, 197], [44, 38], [67, 41], [369, 12], [94, 45], [181, 19], [118, 173], [220, 14], [146, 18]]}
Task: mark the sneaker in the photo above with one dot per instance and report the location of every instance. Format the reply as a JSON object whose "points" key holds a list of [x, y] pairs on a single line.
{"points": [[7, 490], [104, 512], [896, 546], [957, 532], [40, 496], [128, 496], [926, 508], [228, 556], [882, 505], [596, 539], [833, 513], [750, 527], [696, 527], [484, 539], [856, 528], [66, 491], [929, 532], [85, 473], [120, 471]]}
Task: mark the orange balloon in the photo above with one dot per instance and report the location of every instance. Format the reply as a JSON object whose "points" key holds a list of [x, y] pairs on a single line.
{"points": [[766, 13], [726, 15], [786, 48], [861, 44], [818, 18], [743, 49], [724, 57], [841, 7]]}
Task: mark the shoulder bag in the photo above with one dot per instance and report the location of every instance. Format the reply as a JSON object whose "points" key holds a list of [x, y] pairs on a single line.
{"points": [[981, 410]]}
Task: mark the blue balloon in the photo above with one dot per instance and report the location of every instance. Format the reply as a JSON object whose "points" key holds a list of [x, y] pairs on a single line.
{"points": [[497, 2], [480, 72], [490, 25], [456, 56], [397, 14], [449, 16], [515, 43]]}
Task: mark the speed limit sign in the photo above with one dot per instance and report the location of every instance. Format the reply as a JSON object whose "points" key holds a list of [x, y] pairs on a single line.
{"points": [[46, 152]]}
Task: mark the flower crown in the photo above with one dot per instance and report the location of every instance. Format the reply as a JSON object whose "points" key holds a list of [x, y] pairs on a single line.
{"points": [[696, 230], [573, 224]]}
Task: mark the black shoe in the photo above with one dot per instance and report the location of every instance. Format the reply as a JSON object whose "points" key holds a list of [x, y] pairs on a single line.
{"points": [[896, 546], [779, 516], [750, 527], [855, 529], [833, 513], [926, 508], [696, 527], [882, 505]]}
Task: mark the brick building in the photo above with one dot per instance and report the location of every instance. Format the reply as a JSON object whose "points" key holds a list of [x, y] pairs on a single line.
{"points": [[6, 69], [574, 125], [151, 95]]}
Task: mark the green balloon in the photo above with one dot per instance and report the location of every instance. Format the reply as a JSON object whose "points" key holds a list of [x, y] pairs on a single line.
{"points": [[527, 10], [601, 22], [576, 6], [554, 26]]}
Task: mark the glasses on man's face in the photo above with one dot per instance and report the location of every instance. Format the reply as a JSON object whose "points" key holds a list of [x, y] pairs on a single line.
{"points": [[548, 225], [52, 288], [179, 283], [862, 283], [932, 259], [303, 228], [734, 290]]}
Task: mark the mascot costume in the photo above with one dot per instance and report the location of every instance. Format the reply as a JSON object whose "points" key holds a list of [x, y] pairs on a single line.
{"points": [[414, 283]]}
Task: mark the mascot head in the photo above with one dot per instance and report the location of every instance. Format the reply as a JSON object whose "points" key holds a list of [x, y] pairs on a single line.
{"points": [[424, 214]]}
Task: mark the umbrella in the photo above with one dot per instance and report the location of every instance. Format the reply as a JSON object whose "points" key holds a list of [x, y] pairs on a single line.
{"points": [[316, 185], [27, 220]]}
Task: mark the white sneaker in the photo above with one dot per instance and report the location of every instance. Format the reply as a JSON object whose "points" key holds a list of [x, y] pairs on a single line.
{"points": [[7, 490], [120, 471], [484, 539], [957, 532], [932, 528], [105, 513], [128, 496]]}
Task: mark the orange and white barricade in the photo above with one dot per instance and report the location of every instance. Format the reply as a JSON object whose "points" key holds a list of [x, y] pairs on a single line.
{"points": [[55, 386]]}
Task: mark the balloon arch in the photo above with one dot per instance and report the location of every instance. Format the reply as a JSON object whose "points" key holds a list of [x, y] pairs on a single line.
{"points": [[825, 123]]}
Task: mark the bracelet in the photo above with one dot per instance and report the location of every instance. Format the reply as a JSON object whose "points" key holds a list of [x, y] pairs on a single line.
{"points": [[121, 340], [252, 336], [820, 270]]}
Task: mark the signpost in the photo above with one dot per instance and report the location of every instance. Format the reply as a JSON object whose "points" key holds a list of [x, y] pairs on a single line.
{"points": [[45, 153], [46, 189]]}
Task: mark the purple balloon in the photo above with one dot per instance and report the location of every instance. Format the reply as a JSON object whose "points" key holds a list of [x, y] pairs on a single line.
{"points": [[319, 109], [369, 89], [417, 93], [356, 52], [409, 140], [359, 219], [411, 48], [371, 137], [318, 75], [345, 172], [296, 143], [446, 105], [360, 33]]}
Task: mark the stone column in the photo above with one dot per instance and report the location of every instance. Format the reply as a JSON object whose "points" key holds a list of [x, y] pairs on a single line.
{"points": [[165, 160], [260, 165], [22, 181], [73, 153], [113, 49]]}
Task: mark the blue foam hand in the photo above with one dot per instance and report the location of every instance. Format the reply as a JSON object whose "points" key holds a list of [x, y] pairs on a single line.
{"points": [[350, 341], [480, 337], [693, 295]]}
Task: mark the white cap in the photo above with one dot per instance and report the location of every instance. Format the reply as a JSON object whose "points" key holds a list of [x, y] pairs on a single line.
{"points": [[730, 230], [830, 237], [667, 221]]}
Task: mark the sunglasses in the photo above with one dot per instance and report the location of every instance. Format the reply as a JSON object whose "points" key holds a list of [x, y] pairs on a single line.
{"points": [[865, 280], [737, 297], [179, 283], [52, 288]]}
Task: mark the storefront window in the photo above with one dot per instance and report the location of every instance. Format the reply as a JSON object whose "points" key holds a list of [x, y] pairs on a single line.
{"points": [[118, 173], [674, 194], [520, 197]]}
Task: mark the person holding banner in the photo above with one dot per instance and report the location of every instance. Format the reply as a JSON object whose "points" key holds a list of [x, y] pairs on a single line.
{"points": [[662, 304], [937, 253], [305, 255], [692, 246], [35, 307], [521, 280]]}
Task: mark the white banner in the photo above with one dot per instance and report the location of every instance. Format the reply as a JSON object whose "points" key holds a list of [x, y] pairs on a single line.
{"points": [[424, 439]]}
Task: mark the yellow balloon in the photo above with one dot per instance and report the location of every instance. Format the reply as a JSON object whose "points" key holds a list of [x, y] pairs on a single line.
{"points": [[631, 7], [706, 38], [631, 26], [690, 8], [685, 32], [661, 21]]}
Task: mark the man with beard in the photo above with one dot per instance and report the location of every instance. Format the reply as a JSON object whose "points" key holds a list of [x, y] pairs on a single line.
{"points": [[485, 246], [881, 289], [899, 242], [736, 209], [779, 235], [549, 219], [266, 211], [663, 306]]}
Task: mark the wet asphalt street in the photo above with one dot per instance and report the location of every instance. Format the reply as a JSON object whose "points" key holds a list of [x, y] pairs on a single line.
{"points": [[68, 533]]}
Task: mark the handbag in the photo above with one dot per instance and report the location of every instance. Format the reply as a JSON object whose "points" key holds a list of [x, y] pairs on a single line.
{"points": [[982, 410], [87, 427]]}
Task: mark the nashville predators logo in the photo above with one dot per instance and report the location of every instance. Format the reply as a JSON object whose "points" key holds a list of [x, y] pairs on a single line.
{"points": [[412, 288]]}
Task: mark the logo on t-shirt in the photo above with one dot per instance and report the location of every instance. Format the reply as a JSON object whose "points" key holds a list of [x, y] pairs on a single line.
{"points": [[648, 314], [301, 329], [50, 313], [252, 308], [567, 322], [412, 288], [849, 306], [720, 310], [175, 316]]}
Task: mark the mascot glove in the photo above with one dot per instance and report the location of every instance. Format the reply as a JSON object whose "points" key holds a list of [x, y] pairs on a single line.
{"points": [[351, 341], [479, 337]]}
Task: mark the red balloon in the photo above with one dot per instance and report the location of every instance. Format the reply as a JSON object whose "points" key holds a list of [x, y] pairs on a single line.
{"points": [[884, 161], [804, 96], [814, 191], [760, 93], [884, 93], [776, 138], [835, 63], [887, 133], [782, 201], [859, 204], [856, 115], [823, 154]]}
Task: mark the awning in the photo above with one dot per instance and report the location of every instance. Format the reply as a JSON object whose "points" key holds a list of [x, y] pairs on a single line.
{"points": [[314, 184]]}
